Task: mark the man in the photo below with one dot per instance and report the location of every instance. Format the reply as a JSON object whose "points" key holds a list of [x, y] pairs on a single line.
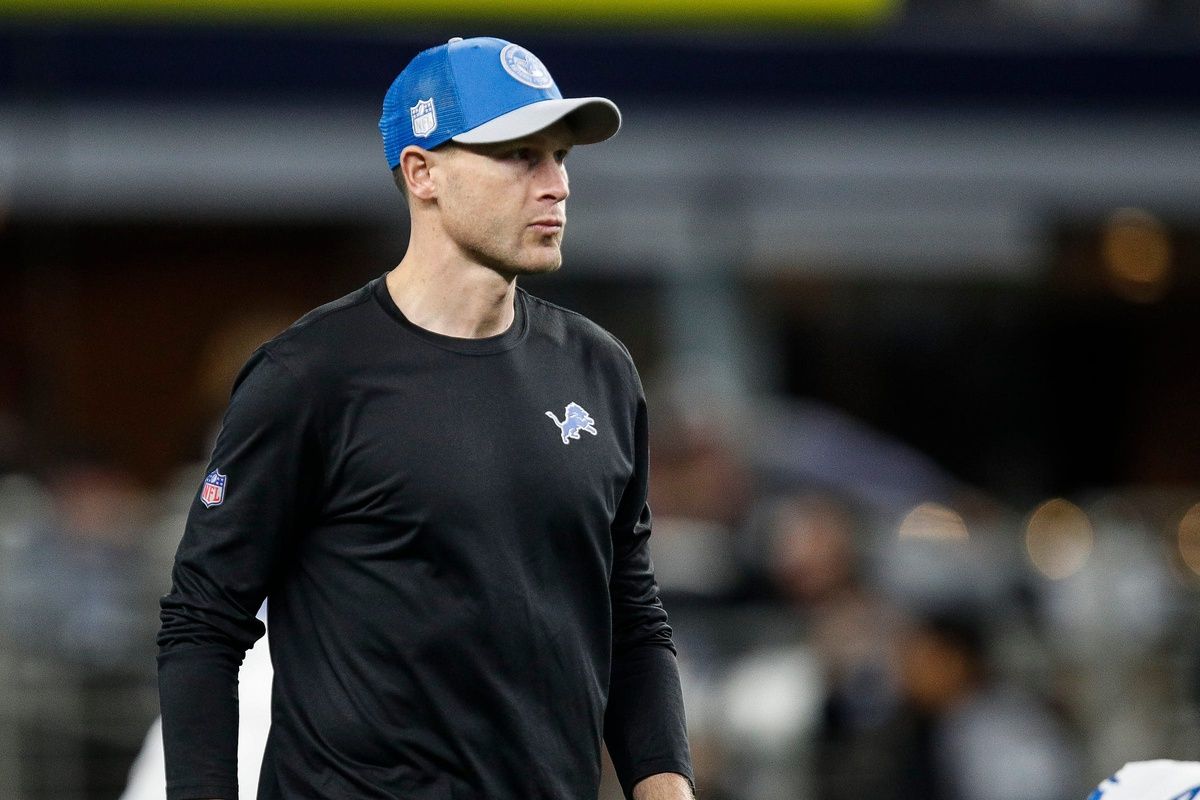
{"points": [[462, 603]]}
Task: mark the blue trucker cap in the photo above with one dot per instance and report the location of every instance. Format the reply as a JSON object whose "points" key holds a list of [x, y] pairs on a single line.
{"points": [[479, 91]]}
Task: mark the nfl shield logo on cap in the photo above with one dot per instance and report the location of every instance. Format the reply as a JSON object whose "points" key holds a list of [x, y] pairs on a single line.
{"points": [[213, 491], [424, 118]]}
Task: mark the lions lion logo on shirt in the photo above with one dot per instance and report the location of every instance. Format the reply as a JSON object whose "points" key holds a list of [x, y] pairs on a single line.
{"points": [[575, 420]]}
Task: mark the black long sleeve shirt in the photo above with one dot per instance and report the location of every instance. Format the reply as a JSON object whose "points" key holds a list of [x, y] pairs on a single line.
{"points": [[453, 537]]}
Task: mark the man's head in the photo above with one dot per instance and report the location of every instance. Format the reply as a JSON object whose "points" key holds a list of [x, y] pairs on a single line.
{"points": [[475, 132]]}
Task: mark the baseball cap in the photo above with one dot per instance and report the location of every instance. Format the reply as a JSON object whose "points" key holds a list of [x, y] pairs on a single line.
{"points": [[483, 90]]}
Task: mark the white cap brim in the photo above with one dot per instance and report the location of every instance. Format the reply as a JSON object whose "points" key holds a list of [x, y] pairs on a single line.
{"points": [[592, 119]]}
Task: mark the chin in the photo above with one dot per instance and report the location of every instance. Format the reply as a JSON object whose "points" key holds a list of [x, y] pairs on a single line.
{"points": [[539, 266], [535, 269]]}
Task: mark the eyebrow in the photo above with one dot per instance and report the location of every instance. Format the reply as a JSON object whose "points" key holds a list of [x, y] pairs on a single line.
{"points": [[496, 149], [538, 141]]}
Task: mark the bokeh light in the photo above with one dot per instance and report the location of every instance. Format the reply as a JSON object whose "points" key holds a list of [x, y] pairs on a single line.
{"points": [[933, 521], [1137, 255], [1189, 538], [1059, 538]]}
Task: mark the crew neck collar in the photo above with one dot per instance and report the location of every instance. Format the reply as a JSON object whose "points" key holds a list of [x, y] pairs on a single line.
{"points": [[510, 338]]}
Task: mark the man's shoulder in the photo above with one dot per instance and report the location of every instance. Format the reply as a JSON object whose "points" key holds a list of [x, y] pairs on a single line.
{"points": [[570, 328], [323, 334]]}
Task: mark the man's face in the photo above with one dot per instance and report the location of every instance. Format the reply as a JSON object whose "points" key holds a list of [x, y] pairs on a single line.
{"points": [[504, 205]]}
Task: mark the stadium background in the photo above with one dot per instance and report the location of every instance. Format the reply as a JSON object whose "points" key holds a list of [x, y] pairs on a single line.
{"points": [[912, 286]]}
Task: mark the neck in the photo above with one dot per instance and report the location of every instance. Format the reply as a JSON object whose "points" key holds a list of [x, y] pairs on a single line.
{"points": [[449, 294]]}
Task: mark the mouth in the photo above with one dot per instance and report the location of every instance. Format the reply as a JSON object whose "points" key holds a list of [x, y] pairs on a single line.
{"points": [[547, 225]]}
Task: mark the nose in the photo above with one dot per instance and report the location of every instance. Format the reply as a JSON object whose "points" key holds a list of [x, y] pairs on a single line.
{"points": [[553, 181]]}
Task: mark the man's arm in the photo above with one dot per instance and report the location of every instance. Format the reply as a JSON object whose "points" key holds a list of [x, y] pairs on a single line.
{"points": [[664, 786], [235, 536], [644, 725]]}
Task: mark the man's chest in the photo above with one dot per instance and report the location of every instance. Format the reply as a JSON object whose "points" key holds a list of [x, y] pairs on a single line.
{"points": [[476, 440]]}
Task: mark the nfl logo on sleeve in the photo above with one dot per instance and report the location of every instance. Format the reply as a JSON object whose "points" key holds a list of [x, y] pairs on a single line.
{"points": [[213, 492]]}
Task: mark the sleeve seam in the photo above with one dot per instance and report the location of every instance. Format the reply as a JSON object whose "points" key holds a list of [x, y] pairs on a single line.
{"points": [[318, 408], [301, 384]]}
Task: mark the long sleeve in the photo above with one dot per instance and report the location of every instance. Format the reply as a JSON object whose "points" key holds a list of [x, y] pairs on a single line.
{"points": [[644, 724], [261, 482]]}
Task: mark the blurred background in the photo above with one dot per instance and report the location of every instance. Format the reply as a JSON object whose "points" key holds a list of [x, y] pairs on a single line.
{"points": [[912, 285]]}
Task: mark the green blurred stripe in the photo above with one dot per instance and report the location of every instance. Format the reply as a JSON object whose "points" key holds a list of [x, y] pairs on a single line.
{"points": [[609, 12]]}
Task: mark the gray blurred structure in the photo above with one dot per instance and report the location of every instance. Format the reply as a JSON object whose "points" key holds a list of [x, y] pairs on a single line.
{"points": [[906, 193]]}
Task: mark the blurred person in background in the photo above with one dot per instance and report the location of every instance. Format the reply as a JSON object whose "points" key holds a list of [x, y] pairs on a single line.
{"points": [[74, 605], [1112, 624], [77, 587], [701, 490], [816, 566], [965, 734], [807, 708]]}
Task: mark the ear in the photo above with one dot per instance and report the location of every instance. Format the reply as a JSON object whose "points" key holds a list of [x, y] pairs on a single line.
{"points": [[415, 163]]}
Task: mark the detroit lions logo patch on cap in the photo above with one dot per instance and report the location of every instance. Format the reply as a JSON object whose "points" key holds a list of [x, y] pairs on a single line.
{"points": [[525, 67], [424, 118]]}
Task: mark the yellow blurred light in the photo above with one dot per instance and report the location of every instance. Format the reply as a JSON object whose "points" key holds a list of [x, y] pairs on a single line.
{"points": [[1059, 538], [1137, 255], [933, 521], [1189, 538]]}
